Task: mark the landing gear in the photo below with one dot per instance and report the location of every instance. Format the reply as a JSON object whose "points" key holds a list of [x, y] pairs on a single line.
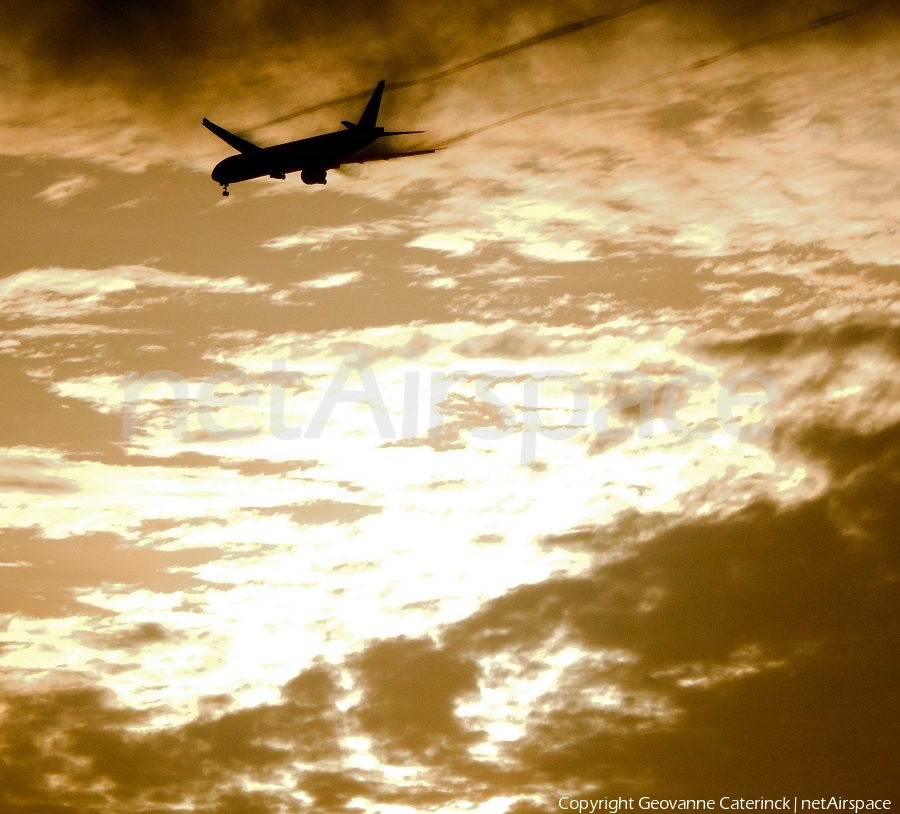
{"points": [[225, 190]]}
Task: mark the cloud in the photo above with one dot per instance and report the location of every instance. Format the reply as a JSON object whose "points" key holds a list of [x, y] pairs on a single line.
{"points": [[61, 191], [59, 293], [331, 280], [61, 743], [737, 626], [52, 574], [135, 638], [520, 342], [441, 283], [337, 234], [663, 670], [681, 634], [23, 473], [324, 511], [355, 622], [795, 343], [409, 691], [125, 85], [490, 56], [757, 158]]}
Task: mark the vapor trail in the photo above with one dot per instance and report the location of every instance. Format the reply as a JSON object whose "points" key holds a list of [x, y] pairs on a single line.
{"points": [[570, 28], [819, 22]]}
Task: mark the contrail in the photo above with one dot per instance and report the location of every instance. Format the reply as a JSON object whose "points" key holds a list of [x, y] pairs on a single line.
{"points": [[812, 25], [562, 31]]}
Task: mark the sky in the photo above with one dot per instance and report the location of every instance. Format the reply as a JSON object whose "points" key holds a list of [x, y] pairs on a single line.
{"points": [[559, 464]]}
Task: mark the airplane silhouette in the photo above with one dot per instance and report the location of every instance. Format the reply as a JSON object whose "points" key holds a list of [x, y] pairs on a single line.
{"points": [[311, 157]]}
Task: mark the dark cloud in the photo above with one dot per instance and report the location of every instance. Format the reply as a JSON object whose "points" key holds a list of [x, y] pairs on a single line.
{"points": [[73, 749], [744, 20], [134, 638], [679, 117], [169, 45], [792, 343], [409, 691], [490, 56], [519, 342], [825, 358], [755, 35], [167, 56], [159, 38], [761, 648], [333, 791], [752, 116], [843, 450]]}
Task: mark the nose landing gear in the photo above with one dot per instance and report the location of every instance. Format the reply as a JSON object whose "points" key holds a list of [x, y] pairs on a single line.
{"points": [[225, 190]]}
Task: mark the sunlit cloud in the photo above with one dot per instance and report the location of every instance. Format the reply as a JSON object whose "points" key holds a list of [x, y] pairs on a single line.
{"points": [[441, 282], [318, 237], [67, 188], [456, 244], [57, 293], [332, 280]]}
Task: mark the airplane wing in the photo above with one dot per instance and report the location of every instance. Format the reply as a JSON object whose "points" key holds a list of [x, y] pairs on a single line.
{"points": [[239, 144], [365, 159]]}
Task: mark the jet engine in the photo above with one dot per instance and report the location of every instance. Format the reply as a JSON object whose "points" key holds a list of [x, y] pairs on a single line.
{"points": [[314, 175]]}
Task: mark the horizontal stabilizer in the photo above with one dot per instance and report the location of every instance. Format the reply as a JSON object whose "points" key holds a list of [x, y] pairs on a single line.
{"points": [[239, 144], [349, 125], [402, 132]]}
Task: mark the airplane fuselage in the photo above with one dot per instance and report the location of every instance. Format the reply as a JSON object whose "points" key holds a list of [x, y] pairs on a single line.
{"points": [[312, 157]]}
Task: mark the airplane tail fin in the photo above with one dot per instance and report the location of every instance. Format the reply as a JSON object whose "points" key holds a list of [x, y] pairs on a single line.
{"points": [[370, 114]]}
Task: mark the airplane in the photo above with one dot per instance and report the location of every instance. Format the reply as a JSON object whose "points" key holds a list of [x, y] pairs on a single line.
{"points": [[311, 157]]}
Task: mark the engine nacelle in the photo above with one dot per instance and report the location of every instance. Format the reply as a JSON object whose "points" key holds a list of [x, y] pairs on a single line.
{"points": [[314, 175]]}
